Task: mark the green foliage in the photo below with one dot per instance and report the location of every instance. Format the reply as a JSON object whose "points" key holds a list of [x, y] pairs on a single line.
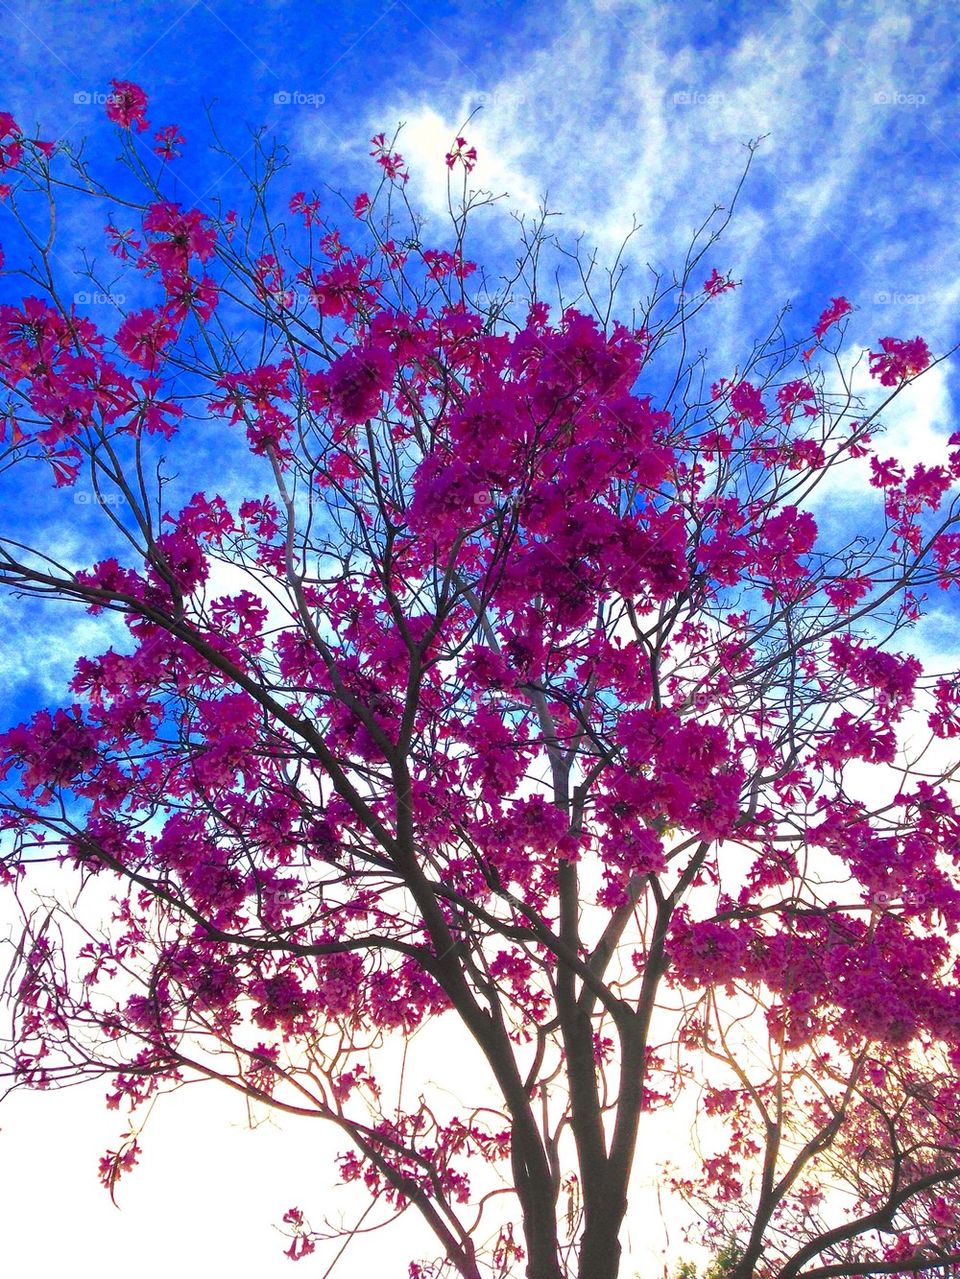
{"points": [[724, 1262], [719, 1268]]}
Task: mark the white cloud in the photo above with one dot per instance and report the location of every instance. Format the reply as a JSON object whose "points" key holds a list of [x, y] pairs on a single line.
{"points": [[622, 114], [43, 642], [914, 429]]}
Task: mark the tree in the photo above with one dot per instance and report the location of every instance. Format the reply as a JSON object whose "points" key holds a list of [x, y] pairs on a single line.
{"points": [[528, 700]]}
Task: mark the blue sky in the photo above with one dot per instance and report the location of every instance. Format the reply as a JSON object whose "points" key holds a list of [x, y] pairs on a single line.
{"points": [[611, 109]]}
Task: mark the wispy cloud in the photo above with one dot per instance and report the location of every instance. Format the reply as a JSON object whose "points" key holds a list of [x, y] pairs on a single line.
{"points": [[42, 642], [637, 109]]}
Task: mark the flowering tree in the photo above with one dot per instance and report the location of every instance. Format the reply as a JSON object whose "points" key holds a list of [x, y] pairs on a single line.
{"points": [[520, 693]]}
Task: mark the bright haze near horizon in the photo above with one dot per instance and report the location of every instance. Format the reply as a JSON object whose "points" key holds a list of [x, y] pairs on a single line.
{"points": [[611, 111]]}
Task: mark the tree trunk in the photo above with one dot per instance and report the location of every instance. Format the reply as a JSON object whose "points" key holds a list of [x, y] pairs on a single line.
{"points": [[600, 1246]]}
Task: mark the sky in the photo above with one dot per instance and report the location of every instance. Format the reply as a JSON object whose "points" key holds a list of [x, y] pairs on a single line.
{"points": [[610, 111]]}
